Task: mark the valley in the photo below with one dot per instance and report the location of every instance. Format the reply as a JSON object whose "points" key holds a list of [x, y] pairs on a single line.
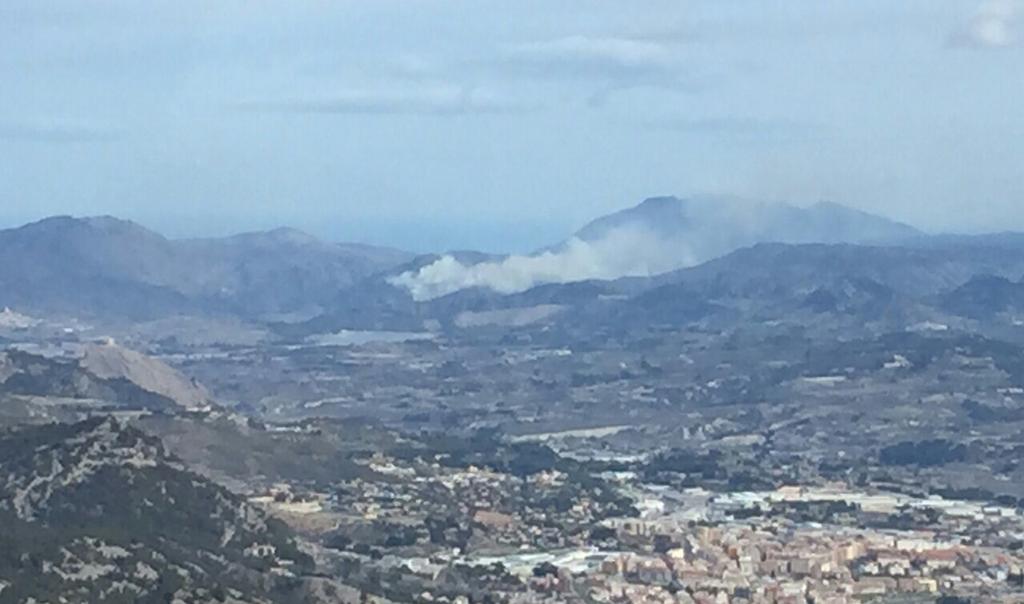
{"points": [[788, 422]]}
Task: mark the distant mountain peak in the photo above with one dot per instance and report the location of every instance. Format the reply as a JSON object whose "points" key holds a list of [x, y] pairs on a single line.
{"points": [[279, 236], [87, 235], [290, 233], [674, 203], [107, 221], [710, 226], [658, 235], [108, 224], [120, 270], [659, 203]]}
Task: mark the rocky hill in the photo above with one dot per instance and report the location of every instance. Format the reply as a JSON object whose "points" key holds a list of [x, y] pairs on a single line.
{"points": [[99, 512], [98, 378], [109, 361], [31, 375]]}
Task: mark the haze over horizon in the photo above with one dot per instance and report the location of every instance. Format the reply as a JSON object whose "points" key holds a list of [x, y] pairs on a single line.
{"points": [[414, 237], [435, 126]]}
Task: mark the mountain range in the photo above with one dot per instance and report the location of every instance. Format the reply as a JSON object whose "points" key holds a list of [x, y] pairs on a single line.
{"points": [[103, 267], [696, 255], [707, 227]]}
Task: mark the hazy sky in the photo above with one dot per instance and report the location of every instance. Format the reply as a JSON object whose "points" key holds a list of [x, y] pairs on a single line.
{"points": [[505, 125]]}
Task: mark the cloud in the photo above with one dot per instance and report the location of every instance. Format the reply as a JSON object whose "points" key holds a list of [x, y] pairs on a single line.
{"points": [[996, 24], [743, 129], [610, 64], [57, 131], [625, 251], [609, 55], [440, 100]]}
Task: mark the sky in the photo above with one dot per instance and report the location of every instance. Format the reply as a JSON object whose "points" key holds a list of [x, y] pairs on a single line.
{"points": [[505, 126]]}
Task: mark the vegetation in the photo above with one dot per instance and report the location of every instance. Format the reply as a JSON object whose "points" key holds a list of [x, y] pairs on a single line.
{"points": [[935, 452], [129, 523]]}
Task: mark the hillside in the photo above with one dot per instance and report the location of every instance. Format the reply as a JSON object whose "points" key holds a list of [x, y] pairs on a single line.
{"points": [[111, 362], [98, 377], [118, 269], [869, 283], [98, 512]]}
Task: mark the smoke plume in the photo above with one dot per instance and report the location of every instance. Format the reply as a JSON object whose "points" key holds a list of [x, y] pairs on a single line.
{"points": [[626, 251]]}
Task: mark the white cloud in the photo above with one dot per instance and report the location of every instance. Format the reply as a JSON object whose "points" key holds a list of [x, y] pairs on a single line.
{"points": [[609, 57], [623, 54], [627, 251], [433, 100], [609, 63], [996, 24], [57, 130]]}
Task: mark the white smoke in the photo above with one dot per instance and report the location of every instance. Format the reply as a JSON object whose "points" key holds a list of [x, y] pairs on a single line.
{"points": [[627, 251]]}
